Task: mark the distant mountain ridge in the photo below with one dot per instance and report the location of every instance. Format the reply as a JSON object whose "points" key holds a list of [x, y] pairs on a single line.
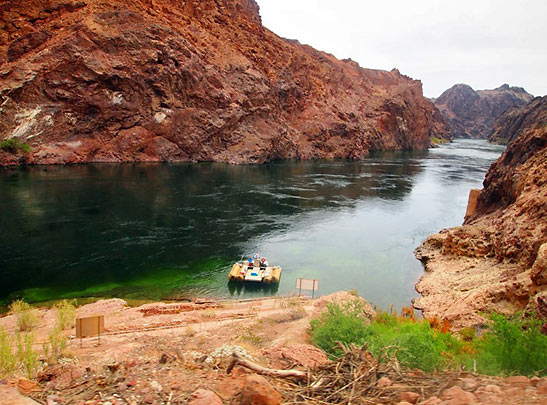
{"points": [[471, 113]]}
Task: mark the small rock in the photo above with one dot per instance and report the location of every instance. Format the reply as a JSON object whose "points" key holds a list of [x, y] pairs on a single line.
{"points": [[52, 400], [492, 389], [204, 397], [518, 380], [27, 387], [156, 386], [457, 396], [431, 401], [409, 396], [258, 391], [534, 381], [542, 387], [467, 383], [384, 382]]}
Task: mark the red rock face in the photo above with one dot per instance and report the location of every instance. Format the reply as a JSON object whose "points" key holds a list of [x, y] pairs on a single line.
{"points": [[164, 80], [471, 114], [497, 259]]}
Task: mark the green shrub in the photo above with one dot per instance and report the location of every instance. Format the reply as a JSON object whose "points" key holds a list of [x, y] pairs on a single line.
{"points": [[339, 323], [65, 314], [415, 344], [513, 345], [26, 355], [26, 316], [13, 145], [8, 361], [55, 345]]}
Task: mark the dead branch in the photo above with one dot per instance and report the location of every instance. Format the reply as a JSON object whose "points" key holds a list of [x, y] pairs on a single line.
{"points": [[238, 360]]}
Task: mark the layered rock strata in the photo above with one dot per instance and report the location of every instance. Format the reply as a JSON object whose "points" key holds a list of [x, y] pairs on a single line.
{"points": [[471, 114], [497, 260], [165, 80]]}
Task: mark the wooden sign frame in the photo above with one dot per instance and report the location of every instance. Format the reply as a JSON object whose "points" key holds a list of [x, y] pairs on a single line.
{"points": [[88, 326]]}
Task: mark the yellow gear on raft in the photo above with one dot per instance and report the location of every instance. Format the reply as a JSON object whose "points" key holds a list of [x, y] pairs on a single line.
{"points": [[242, 272]]}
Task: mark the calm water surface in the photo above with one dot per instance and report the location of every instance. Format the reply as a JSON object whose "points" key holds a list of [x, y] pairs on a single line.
{"points": [[174, 230]]}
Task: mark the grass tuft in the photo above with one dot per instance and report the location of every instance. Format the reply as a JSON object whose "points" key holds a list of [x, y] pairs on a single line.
{"points": [[65, 314], [26, 316]]}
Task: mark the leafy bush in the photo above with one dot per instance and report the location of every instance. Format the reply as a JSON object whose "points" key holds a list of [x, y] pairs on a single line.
{"points": [[512, 345], [65, 314], [26, 316], [339, 323], [414, 343], [13, 145]]}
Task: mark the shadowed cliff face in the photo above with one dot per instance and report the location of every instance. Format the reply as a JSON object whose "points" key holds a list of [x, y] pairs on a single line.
{"points": [[498, 258], [517, 119], [471, 114], [161, 80]]}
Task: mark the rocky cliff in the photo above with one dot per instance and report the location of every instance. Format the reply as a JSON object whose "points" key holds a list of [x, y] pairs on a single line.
{"points": [[166, 80], [471, 114], [516, 119], [498, 259]]}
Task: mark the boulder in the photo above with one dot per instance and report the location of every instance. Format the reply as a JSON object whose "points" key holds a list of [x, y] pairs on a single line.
{"points": [[258, 391], [204, 397]]}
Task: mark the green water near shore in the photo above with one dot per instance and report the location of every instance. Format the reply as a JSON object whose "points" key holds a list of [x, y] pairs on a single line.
{"points": [[159, 231]]}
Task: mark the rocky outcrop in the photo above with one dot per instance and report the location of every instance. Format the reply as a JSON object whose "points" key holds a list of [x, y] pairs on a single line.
{"points": [[471, 114], [497, 259], [160, 80], [516, 119]]}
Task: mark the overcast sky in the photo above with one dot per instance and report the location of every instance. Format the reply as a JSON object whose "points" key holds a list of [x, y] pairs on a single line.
{"points": [[483, 43]]}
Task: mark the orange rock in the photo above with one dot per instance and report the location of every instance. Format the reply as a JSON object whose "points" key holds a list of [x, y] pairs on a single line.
{"points": [[27, 387], [518, 380], [431, 401], [467, 383], [409, 396], [457, 396], [383, 382], [204, 397], [259, 391]]}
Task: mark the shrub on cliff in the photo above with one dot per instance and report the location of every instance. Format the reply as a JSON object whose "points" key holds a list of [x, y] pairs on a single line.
{"points": [[13, 145], [513, 345], [415, 343], [339, 323]]}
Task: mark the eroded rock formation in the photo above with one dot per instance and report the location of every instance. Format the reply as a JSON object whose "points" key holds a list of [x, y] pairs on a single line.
{"points": [[497, 259], [165, 80], [515, 119], [471, 114]]}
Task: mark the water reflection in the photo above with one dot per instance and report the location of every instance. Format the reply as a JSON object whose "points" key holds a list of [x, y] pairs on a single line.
{"points": [[166, 230]]}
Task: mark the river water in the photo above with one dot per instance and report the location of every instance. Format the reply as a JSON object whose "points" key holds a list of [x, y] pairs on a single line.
{"points": [[153, 231]]}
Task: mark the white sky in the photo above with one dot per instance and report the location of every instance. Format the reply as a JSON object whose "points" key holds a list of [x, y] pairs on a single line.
{"points": [[483, 43]]}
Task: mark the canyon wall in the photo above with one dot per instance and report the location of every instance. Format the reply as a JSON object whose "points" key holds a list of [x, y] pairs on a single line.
{"points": [[496, 261], [471, 114], [165, 80]]}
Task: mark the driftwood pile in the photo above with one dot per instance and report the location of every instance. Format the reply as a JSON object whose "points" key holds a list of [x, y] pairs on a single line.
{"points": [[353, 379]]}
